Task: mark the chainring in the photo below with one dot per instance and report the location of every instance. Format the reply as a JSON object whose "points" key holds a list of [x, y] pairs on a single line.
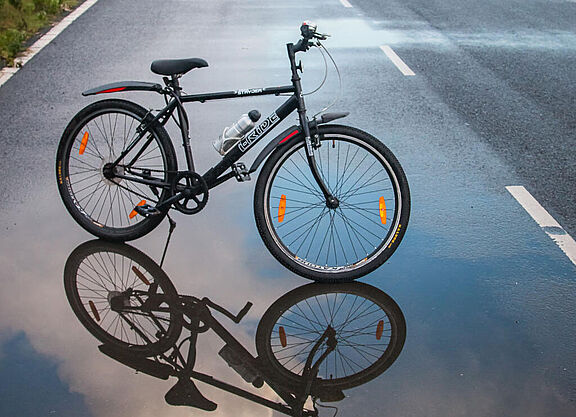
{"points": [[193, 189]]}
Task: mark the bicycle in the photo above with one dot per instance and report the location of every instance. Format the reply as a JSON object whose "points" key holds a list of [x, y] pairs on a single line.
{"points": [[331, 202], [314, 341]]}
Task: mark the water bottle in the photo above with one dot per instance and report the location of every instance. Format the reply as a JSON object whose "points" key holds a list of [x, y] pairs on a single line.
{"points": [[234, 133], [234, 361]]}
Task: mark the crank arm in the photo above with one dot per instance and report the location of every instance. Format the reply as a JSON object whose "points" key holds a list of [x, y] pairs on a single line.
{"points": [[174, 198], [168, 202]]}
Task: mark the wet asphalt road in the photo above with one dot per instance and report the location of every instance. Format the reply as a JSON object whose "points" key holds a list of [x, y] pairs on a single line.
{"points": [[507, 68], [487, 296]]}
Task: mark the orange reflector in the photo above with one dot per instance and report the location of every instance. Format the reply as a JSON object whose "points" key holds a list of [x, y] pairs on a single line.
{"points": [[382, 210], [140, 275], [282, 208], [94, 311], [379, 329], [134, 212], [282, 336], [83, 143]]}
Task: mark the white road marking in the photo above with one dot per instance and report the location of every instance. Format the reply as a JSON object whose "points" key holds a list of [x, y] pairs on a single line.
{"points": [[345, 3], [8, 72], [550, 226], [396, 60]]}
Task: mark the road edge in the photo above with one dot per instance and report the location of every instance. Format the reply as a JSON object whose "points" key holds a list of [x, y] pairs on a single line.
{"points": [[7, 72]]}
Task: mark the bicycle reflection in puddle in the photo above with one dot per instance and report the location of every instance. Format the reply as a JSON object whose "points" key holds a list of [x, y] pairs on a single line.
{"points": [[313, 342]]}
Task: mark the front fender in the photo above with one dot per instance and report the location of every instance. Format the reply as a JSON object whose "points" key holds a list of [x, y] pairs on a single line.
{"points": [[124, 86], [291, 134]]}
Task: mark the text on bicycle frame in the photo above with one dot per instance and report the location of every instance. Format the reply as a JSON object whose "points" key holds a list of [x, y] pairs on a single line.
{"points": [[262, 128]]}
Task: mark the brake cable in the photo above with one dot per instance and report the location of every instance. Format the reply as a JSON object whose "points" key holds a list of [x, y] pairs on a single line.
{"points": [[325, 75], [322, 48]]}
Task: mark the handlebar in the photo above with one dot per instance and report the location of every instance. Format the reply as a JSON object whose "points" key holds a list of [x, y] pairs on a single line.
{"points": [[235, 318], [308, 30]]}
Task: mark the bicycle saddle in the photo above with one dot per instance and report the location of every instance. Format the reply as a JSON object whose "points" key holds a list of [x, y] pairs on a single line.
{"points": [[176, 66], [186, 393]]}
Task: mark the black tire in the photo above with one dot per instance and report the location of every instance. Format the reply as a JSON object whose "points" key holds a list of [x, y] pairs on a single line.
{"points": [[365, 348], [339, 244], [94, 137], [95, 276]]}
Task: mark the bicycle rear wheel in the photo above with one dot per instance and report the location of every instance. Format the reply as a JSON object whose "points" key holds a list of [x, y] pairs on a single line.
{"points": [[333, 244], [101, 203], [370, 333], [122, 297]]}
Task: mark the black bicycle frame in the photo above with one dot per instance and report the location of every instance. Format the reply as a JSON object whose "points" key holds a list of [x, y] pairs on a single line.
{"points": [[214, 176]]}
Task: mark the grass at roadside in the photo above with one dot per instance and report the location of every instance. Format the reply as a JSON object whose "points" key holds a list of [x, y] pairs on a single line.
{"points": [[22, 19]]}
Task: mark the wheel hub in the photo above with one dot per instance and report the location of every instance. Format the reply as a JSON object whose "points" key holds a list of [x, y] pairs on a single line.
{"points": [[332, 203], [118, 300], [109, 174]]}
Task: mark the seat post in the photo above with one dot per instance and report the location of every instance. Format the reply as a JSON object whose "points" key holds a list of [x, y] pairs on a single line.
{"points": [[184, 125], [176, 84]]}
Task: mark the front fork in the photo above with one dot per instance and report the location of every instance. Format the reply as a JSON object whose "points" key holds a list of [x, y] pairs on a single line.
{"points": [[331, 201]]}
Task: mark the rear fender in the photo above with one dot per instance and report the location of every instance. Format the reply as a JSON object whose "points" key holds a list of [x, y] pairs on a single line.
{"points": [[124, 86]]}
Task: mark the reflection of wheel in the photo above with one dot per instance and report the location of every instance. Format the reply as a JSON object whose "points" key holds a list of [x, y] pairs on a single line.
{"points": [[122, 297], [338, 243], [100, 201], [370, 333]]}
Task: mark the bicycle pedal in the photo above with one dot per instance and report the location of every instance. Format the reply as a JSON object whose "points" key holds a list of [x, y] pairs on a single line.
{"points": [[146, 210], [241, 172]]}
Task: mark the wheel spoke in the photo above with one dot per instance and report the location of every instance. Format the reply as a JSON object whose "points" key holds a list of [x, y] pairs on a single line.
{"points": [[101, 275], [361, 351], [104, 200], [337, 239]]}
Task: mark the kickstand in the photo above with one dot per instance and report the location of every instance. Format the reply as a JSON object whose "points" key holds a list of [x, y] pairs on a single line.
{"points": [[170, 230]]}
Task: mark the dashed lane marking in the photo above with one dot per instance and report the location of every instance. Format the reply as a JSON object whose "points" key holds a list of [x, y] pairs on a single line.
{"points": [[345, 3], [8, 72], [396, 60], [550, 226]]}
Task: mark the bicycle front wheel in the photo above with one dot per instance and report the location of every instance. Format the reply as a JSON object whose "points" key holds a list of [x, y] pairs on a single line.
{"points": [[97, 199], [333, 244]]}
